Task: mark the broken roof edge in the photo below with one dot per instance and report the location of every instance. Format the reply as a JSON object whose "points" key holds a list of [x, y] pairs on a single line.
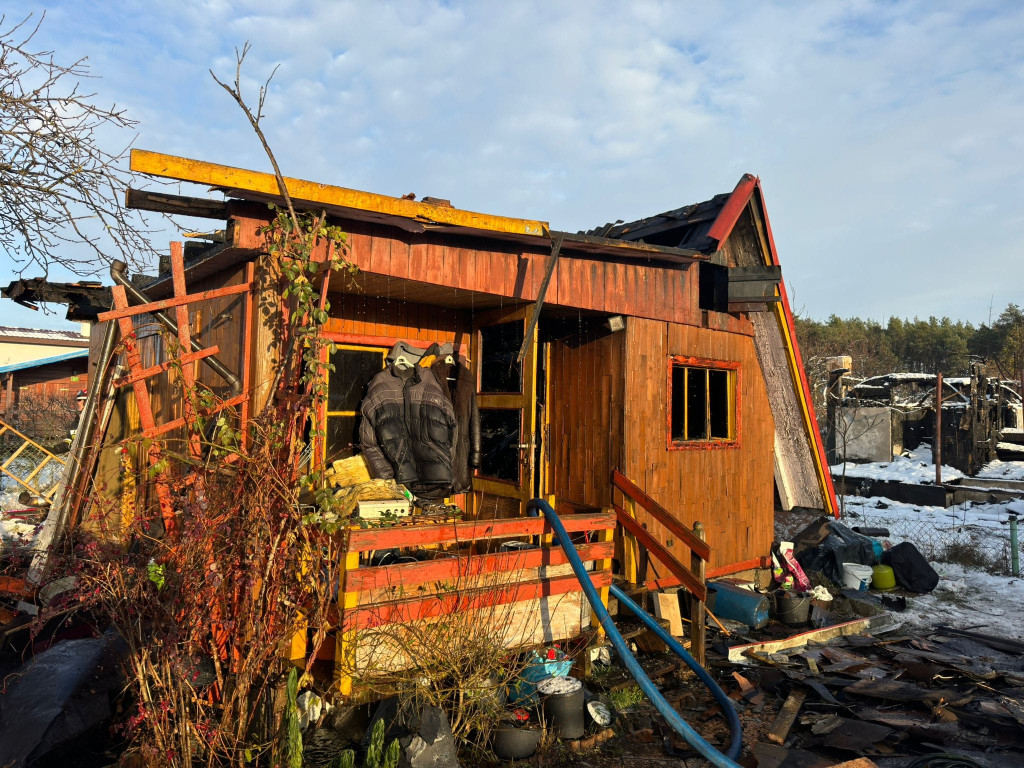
{"points": [[749, 192], [229, 178], [418, 217]]}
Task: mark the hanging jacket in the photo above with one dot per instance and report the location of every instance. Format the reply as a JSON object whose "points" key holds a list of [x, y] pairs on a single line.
{"points": [[462, 392], [408, 431]]}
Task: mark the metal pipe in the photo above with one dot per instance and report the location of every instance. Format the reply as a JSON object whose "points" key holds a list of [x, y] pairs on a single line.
{"points": [[57, 519], [674, 719], [119, 277], [937, 453], [1014, 547]]}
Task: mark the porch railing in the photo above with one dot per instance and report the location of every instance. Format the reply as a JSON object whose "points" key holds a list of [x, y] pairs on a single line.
{"points": [[691, 577]]}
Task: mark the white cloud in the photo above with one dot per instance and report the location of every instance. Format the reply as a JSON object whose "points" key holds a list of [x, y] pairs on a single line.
{"points": [[887, 135]]}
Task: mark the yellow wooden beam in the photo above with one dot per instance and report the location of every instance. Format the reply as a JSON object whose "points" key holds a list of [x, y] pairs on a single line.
{"points": [[226, 177]]}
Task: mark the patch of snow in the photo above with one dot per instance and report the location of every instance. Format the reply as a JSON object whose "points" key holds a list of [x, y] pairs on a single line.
{"points": [[969, 598], [1003, 470], [16, 532], [914, 467]]}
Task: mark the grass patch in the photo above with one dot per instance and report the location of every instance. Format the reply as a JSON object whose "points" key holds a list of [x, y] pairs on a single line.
{"points": [[965, 553], [626, 697]]}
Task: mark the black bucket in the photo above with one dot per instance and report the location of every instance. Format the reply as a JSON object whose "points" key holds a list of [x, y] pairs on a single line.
{"points": [[564, 711], [515, 743], [792, 609]]}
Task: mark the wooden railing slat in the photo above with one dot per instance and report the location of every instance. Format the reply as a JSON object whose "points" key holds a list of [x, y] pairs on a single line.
{"points": [[662, 515], [656, 548]]}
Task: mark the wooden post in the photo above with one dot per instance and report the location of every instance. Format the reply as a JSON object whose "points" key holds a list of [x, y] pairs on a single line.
{"points": [[697, 607], [937, 453], [604, 535], [630, 547], [345, 645]]}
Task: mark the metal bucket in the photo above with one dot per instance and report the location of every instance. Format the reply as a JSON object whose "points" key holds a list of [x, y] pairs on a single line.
{"points": [[792, 609]]}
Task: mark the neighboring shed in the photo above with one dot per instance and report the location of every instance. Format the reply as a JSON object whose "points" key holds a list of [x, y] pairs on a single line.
{"points": [[62, 375]]}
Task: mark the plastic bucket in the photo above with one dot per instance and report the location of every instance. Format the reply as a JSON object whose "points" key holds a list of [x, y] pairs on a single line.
{"points": [[882, 578], [563, 706], [512, 743], [856, 576], [791, 609]]}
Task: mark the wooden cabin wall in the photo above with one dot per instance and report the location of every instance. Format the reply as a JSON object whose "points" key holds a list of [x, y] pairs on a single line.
{"points": [[220, 322], [390, 318], [636, 287], [729, 490], [584, 440]]}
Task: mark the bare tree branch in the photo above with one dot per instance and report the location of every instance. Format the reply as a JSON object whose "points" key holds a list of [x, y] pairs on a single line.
{"points": [[60, 188], [254, 120]]}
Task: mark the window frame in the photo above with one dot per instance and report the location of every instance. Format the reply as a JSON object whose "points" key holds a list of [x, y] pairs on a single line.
{"points": [[338, 346], [733, 369]]}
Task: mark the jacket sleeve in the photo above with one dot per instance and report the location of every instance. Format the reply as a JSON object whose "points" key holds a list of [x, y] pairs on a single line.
{"points": [[474, 433], [380, 467]]}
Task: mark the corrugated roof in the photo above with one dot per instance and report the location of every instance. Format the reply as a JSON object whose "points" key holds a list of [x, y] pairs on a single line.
{"points": [[42, 333], [45, 361], [685, 227]]}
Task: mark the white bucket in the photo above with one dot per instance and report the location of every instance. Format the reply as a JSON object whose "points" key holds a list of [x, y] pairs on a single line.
{"points": [[856, 576]]}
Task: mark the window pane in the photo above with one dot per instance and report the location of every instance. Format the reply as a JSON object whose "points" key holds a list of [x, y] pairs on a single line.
{"points": [[500, 430], [678, 403], [718, 397], [346, 384], [342, 437], [696, 404], [499, 348]]}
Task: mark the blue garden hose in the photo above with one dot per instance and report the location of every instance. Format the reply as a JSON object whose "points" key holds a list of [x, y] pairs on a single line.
{"points": [[679, 725]]}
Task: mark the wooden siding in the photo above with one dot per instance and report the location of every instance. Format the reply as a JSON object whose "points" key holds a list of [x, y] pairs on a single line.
{"points": [[62, 379], [449, 271], [389, 318], [584, 438], [729, 490]]}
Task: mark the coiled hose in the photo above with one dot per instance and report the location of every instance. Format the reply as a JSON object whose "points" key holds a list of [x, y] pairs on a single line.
{"points": [[674, 719]]}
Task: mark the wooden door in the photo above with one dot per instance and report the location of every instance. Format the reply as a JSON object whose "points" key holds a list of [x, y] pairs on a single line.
{"points": [[507, 396]]}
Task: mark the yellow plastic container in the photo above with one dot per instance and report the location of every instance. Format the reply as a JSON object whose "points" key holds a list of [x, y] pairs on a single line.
{"points": [[882, 578]]}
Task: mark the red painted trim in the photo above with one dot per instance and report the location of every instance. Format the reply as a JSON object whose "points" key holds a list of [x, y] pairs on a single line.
{"points": [[204, 412], [656, 548], [720, 230], [145, 373], [367, 539], [701, 445], [697, 546], [177, 301], [733, 208], [411, 574], [791, 325], [408, 611]]}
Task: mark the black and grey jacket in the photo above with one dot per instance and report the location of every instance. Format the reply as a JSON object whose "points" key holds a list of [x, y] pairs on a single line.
{"points": [[408, 430], [457, 380]]}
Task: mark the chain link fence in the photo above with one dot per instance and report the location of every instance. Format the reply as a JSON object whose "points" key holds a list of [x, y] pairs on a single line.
{"points": [[984, 545]]}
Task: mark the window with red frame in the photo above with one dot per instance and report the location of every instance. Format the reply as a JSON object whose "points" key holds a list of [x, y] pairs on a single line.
{"points": [[702, 402]]}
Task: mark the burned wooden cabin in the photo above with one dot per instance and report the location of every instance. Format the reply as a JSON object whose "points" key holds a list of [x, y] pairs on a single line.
{"points": [[876, 418], [643, 377]]}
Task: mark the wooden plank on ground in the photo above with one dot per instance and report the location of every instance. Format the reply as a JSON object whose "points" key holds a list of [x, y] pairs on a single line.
{"points": [[786, 717]]}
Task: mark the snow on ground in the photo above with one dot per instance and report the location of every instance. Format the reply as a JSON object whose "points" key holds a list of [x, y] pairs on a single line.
{"points": [[915, 467], [970, 598], [977, 591], [1003, 470]]}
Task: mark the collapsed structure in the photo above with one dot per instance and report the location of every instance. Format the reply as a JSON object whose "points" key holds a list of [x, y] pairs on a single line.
{"points": [[876, 418], [644, 378]]}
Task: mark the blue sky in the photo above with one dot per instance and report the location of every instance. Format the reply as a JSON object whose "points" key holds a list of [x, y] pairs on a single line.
{"points": [[887, 135]]}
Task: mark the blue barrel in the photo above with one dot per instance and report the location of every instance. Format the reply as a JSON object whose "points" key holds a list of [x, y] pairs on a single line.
{"points": [[742, 605]]}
